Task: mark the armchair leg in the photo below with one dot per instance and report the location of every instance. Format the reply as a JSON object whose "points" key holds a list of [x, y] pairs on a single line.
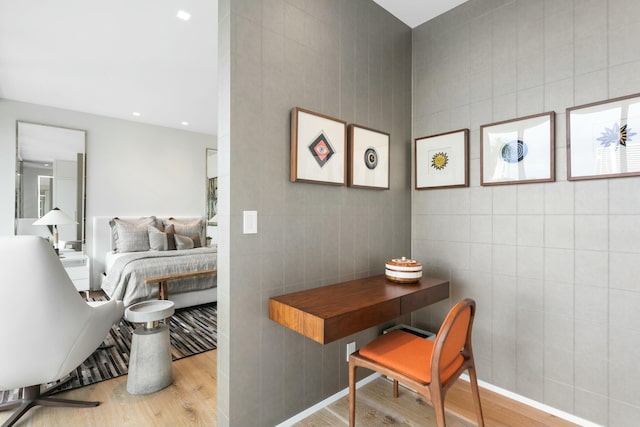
{"points": [[31, 397]]}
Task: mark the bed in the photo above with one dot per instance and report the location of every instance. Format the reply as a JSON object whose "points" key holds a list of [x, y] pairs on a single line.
{"points": [[128, 250]]}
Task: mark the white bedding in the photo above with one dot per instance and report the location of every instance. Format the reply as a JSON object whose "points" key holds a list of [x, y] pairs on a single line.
{"points": [[111, 257], [127, 271]]}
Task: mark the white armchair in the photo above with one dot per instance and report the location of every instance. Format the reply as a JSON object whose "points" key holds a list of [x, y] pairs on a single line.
{"points": [[48, 329]]}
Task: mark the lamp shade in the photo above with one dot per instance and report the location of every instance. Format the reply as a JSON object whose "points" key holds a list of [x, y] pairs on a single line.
{"points": [[55, 217]]}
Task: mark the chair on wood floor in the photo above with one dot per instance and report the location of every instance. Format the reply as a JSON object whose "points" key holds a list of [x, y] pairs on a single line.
{"points": [[429, 368], [48, 329]]}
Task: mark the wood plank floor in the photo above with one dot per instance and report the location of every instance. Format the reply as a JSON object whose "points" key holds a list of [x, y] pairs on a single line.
{"points": [[189, 401], [376, 407]]}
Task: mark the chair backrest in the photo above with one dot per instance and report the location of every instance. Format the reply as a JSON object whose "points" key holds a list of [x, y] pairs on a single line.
{"points": [[42, 313], [452, 346]]}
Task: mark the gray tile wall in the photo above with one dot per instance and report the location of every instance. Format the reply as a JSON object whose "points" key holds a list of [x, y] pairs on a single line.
{"points": [[553, 267], [348, 59]]}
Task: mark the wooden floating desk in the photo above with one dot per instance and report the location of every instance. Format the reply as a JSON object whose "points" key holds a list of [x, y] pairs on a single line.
{"points": [[332, 312]]}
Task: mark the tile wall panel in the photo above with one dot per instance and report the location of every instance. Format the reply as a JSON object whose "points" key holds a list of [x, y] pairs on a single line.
{"points": [[553, 266]]}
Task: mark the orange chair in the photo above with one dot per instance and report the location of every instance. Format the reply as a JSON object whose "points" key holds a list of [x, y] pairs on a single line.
{"points": [[428, 367]]}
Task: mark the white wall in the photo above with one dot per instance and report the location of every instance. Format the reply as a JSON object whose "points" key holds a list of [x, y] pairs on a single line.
{"points": [[132, 168]]}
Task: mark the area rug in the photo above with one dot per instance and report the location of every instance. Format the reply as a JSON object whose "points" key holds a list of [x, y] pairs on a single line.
{"points": [[192, 330]]}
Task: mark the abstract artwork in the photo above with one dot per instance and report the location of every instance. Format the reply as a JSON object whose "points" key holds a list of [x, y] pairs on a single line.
{"points": [[318, 148], [442, 160], [603, 139], [368, 158], [518, 151]]}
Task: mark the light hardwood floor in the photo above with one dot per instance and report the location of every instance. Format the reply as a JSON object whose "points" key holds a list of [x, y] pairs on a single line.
{"points": [[375, 406], [191, 401]]}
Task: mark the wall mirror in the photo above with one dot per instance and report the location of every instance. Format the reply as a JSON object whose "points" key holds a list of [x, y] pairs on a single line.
{"points": [[50, 174], [212, 196]]}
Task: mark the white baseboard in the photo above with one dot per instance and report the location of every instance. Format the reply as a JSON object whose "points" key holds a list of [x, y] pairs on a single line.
{"points": [[514, 396], [533, 403], [326, 402]]}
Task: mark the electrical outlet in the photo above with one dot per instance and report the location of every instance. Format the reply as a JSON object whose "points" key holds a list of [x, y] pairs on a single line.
{"points": [[351, 347]]}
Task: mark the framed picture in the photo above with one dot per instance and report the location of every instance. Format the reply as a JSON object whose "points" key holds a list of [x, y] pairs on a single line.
{"points": [[318, 148], [368, 158], [518, 151], [442, 160], [603, 139]]}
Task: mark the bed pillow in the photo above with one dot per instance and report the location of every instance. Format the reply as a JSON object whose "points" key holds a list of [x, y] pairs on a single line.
{"points": [[183, 242], [187, 227], [171, 241], [158, 241], [142, 222], [130, 235]]}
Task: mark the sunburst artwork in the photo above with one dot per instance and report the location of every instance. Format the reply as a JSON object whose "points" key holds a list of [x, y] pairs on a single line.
{"points": [[439, 160], [442, 160]]}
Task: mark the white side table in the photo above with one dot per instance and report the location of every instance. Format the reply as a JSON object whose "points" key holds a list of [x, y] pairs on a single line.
{"points": [[77, 265]]}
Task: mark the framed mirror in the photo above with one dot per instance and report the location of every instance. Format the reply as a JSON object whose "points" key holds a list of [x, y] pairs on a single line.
{"points": [[50, 174], [212, 196]]}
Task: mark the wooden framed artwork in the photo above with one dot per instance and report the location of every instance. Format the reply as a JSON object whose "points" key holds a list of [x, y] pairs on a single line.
{"points": [[603, 139], [368, 158], [318, 148], [518, 151], [442, 160]]}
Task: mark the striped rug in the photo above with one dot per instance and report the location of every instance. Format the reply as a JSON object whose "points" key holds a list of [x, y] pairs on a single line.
{"points": [[192, 330]]}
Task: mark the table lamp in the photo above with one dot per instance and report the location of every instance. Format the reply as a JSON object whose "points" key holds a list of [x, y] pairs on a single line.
{"points": [[55, 217]]}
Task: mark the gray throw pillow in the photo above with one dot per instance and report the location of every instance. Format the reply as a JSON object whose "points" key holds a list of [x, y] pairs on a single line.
{"points": [[158, 241]]}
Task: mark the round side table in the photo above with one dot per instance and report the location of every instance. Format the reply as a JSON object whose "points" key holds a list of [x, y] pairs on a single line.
{"points": [[150, 358]]}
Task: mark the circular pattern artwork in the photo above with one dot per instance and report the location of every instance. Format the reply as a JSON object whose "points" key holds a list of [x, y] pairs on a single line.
{"points": [[514, 151], [371, 158], [439, 160]]}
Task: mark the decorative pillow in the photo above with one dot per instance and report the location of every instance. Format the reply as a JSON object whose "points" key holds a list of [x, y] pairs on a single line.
{"points": [[130, 235], [183, 242], [187, 227], [158, 241], [171, 241]]}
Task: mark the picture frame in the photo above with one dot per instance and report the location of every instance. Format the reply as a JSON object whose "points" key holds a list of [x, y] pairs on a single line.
{"points": [[518, 151], [442, 160], [368, 159], [318, 148], [603, 139]]}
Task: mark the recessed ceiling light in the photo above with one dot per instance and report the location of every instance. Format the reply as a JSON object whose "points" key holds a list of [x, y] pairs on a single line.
{"points": [[135, 113], [183, 15], [185, 123]]}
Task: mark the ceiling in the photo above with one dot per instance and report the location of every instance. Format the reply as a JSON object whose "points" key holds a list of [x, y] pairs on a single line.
{"points": [[123, 56]]}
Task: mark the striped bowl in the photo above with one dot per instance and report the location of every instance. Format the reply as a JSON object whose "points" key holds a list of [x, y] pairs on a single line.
{"points": [[403, 270]]}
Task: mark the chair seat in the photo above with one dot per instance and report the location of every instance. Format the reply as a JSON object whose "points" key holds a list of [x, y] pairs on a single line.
{"points": [[407, 354], [403, 352]]}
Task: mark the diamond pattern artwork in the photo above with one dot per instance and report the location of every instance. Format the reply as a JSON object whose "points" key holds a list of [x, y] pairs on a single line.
{"points": [[321, 149]]}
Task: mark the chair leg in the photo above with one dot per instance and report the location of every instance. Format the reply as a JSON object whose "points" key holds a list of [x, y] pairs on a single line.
{"points": [[437, 400], [352, 392], [395, 388], [31, 397], [475, 392]]}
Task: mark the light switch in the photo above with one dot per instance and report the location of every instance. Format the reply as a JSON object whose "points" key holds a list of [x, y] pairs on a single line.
{"points": [[250, 222]]}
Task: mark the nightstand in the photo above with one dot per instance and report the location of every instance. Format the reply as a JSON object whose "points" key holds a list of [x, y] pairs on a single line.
{"points": [[77, 266]]}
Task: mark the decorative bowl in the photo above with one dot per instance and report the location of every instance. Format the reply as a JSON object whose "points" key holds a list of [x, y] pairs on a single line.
{"points": [[403, 270]]}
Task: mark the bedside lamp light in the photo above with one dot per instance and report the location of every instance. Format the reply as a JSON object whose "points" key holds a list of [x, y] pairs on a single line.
{"points": [[55, 217]]}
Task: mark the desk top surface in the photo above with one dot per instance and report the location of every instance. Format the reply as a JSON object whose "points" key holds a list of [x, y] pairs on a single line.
{"points": [[340, 298]]}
